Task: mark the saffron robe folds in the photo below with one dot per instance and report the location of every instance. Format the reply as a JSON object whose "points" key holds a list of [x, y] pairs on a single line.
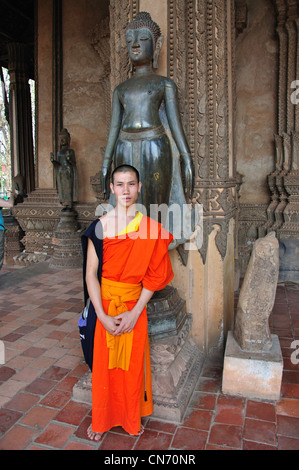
{"points": [[121, 397]]}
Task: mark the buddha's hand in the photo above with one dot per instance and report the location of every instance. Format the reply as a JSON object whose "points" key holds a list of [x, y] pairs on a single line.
{"points": [[187, 174], [105, 181]]}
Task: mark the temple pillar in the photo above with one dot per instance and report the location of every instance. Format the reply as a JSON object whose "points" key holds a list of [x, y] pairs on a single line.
{"points": [[201, 63], [283, 210], [22, 157]]}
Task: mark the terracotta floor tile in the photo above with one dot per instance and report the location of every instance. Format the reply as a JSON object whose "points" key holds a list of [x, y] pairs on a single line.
{"points": [[198, 419], [249, 445], [39, 416], [290, 390], [55, 435], [18, 438], [55, 352], [27, 374], [78, 446], [69, 361], [287, 443], [22, 402], [162, 426], [55, 373], [6, 373], [230, 410], [23, 330], [226, 435], [11, 337], [40, 386], [207, 384], [288, 407], [189, 439], [73, 413], [153, 440], [56, 399], [113, 441], [8, 418], [42, 363], [57, 335], [81, 431], [205, 401], [68, 383], [259, 410], [215, 447], [11, 387], [260, 431], [288, 426], [33, 352]]}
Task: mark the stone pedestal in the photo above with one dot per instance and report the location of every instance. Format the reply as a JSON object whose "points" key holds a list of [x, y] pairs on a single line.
{"points": [[67, 242], [13, 235], [38, 217], [255, 375], [176, 361]]}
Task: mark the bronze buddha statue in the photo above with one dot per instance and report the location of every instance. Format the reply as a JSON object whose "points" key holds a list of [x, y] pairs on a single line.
{"points": [[138, 132]]}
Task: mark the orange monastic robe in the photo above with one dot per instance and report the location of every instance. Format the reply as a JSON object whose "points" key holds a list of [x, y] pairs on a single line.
{"points": [[121, 397]]}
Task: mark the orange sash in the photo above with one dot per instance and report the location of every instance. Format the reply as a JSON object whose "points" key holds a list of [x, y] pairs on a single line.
{"points": [[120, 347]]}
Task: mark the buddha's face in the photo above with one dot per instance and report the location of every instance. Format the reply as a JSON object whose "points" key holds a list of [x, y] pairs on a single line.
{"points": [[140, 45]]}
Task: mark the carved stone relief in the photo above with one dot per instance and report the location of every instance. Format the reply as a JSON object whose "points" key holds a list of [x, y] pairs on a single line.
{"points": [[207, 29]]}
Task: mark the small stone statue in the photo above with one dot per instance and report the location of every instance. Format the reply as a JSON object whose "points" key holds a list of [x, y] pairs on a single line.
{"points": [[66, 172], [257, 296], [138, 134]]}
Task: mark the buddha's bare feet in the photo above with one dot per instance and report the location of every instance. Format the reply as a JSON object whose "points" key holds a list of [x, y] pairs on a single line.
{"points": [[94, 436]]}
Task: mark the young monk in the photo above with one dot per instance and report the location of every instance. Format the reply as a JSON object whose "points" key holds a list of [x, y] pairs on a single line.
{"points": [[135, 264]]}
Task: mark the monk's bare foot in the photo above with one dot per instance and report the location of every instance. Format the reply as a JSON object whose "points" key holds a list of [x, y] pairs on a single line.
{"points": [[94, 436], [139, 432]]}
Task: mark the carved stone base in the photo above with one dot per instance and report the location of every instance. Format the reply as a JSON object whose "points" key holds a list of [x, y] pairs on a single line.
{"points": [[176, 363], [12, 240], [68, 221], [166, 313], [67, 250]]}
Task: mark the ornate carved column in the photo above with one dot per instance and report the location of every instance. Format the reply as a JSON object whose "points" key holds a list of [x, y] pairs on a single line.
{"points": [[201, 55], [283, 211]]}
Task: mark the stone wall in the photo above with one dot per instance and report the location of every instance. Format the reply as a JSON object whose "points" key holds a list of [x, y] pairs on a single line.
{"points": [[84, 111], [255, 119]]}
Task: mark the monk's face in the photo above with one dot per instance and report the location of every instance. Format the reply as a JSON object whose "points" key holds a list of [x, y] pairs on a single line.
{"points": [[140, 45], [125, 187]]}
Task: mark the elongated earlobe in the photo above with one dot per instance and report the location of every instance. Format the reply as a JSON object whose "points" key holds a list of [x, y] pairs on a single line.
{"points": [[158, 48]]}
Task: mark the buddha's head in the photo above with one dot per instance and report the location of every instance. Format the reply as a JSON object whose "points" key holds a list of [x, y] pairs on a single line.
{"points": [[144, 40], [64, 138]]}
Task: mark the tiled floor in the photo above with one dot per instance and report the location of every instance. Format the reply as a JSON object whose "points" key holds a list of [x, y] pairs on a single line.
{"points": [[38, 324]]}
